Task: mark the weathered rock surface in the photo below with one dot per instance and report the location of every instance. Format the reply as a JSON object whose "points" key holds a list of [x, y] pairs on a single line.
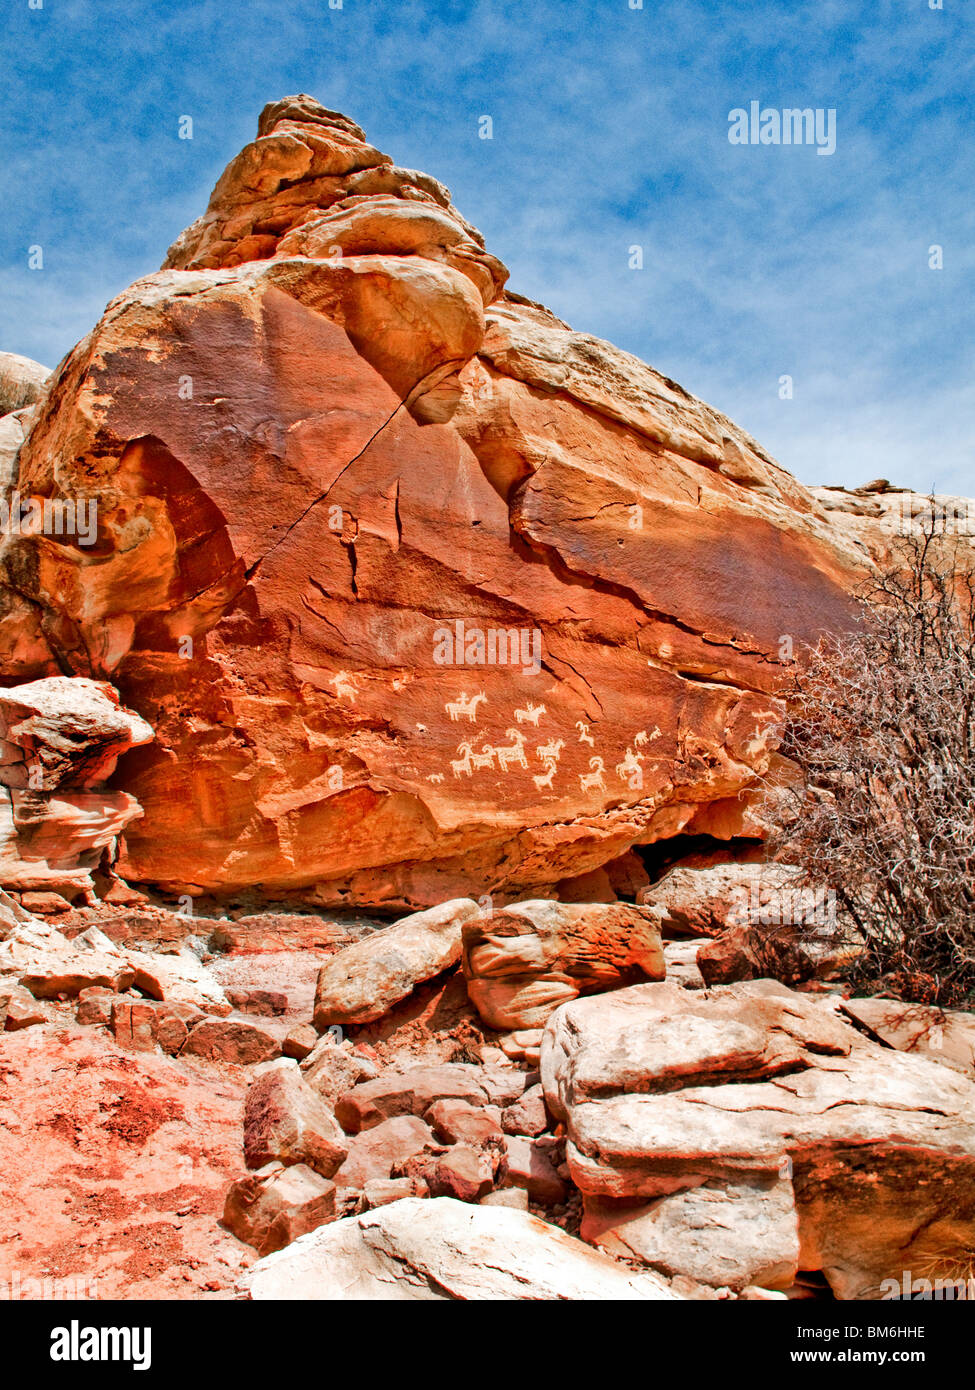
{"points": [[456, 1121], [286, 1121], [527, 1115], [706, 899], [530, 1166], [522, 962], [443, 1249], [375, 1152], [22, 381], [943, 1035], [60, 740], [763, 923], [664, 1089], [332, 1068], [226, 1040], [364, 981], [723, 1234], [18, 1009], [274, 1206], [50, 965], [464, 1172], [407, 1093], [334, 459]]}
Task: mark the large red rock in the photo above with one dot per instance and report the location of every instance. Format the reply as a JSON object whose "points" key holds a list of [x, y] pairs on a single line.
{"points": [[274, 1206], [522, 962], [286, 1121], [341, 474]]}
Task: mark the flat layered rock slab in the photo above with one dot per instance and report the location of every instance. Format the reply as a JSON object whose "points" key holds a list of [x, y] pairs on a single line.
{"points": [[664, 1090], [946, 1036], [429, 1249], [723, 1234]]}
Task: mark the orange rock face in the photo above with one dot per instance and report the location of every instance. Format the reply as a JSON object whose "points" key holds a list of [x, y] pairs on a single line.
{"points": [[424, 594]]}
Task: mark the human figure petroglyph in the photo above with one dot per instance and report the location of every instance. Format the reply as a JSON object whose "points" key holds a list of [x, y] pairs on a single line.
{"points": [[549, 752], [465, 704], [592, 781], [531, 714], [630, 765]]}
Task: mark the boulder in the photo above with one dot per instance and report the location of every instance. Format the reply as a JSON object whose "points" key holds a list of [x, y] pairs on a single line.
{"points": [[273, 1207], [664, 1090], [286, 1121], [722, 1234], [527, 1115], [227, 1040], [705, 897], [379, 1192], [300, 1041], [266, 1003], [514, 1197], [178, 978], [134, 1024], [142, 1025], [522, 962], [22, 381], [376, 1152], [464, 1172], [408, 471], [44, 904], [18, 1009], [503, 1085], [332, 1068], [49, 965], [363, 982], [680, 958], [410, 1092], [458, 1122], [427, 1249], [95, 1005], [530, 1166]]}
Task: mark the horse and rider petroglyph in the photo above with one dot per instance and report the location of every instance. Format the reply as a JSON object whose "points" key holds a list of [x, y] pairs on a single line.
{"points": [[465, 704]]}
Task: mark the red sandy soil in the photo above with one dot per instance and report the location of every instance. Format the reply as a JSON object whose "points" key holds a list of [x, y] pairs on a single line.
{"points": [[115, 1164], [115, 1167]]}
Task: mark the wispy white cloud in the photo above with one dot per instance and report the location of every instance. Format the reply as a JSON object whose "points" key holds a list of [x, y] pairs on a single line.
{"points": [[610, 130]]}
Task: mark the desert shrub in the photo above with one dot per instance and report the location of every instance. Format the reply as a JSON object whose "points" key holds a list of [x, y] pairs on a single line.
{"points": [[881, 721]]}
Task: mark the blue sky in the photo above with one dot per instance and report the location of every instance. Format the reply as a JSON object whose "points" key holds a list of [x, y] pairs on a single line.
{"points": [[610, 130]]}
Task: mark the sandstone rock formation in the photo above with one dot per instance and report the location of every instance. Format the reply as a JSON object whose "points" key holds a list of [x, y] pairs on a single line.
{"points": [[60, 740], [22, 382], [364, 981], [688, 1113], [439, 1248], [522, 962], [944, 1035], [423, 593]]}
